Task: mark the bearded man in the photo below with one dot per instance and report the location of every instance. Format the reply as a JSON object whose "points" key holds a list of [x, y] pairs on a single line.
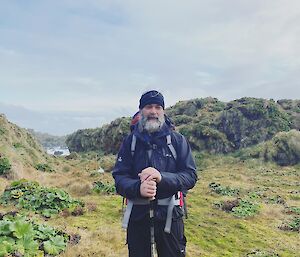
{"points": [[154, 170]]}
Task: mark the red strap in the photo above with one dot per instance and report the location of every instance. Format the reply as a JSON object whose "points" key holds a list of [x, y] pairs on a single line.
{"points": [[181, 199]]}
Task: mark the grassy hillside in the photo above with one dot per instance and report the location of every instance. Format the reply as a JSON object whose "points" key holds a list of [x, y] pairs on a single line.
{"points": [[210, 230], [24, 153], [241, 206]]}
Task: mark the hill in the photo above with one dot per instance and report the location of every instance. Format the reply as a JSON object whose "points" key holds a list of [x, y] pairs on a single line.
{"points": [[209, 125], [22, 156], [19, 147]]}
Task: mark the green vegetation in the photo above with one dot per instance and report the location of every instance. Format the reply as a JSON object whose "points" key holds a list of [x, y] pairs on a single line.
{"points": [[216, 127], [283, 148], [258, 201], [240, 208], [43, 167], [106, 139], [5, 165], [292, 225], [245, 208], [20, 236], [247, 226], [260, 253], [102, 187], [33, 197], [2, 131], [107, 162], [217, 188], [17, 145], [293, 210]]}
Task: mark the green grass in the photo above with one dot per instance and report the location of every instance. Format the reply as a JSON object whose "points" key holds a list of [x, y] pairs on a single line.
{"points": [[213, 232], [210, 232]]}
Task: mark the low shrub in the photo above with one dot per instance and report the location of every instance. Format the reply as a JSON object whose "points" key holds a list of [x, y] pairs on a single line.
{"points": [[275, 199], [2, 131], [291, 225], [43, 167], [217, 188], [107, 162], [5, 166], [284, 148], [292, 210], [72, 156], [240, 208], [101, 187], [261, 253], [245, 208], [17, 145], [66, 169], [31, 196]]}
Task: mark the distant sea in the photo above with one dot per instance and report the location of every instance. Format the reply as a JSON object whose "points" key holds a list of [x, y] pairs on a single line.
{"points": [[58, 151]]}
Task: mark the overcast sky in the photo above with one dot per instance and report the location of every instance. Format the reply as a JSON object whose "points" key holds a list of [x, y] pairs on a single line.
{"points": [[70, 64]]}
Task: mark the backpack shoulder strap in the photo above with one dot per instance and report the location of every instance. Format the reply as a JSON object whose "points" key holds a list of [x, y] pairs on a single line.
{"points": [[133, 144], [171, 147], [169, 143]]}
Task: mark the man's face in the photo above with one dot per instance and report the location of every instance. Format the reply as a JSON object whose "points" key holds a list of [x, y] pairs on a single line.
{"points": [[152, 117]]}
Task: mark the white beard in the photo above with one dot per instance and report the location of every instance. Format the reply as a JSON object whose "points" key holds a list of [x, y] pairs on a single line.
{"points": [[151, 125]]}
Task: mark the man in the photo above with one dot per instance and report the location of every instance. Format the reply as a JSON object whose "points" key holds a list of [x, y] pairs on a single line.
{"points": [[153, 167]]}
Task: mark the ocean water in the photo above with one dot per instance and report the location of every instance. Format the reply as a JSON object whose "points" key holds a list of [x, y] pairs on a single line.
{"points": [[58, 151]]}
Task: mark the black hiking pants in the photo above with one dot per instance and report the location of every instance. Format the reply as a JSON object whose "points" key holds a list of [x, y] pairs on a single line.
{"points": [[167, 245]]}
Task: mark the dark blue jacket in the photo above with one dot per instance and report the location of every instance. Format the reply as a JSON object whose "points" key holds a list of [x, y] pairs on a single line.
{"points": [[177, 175]]}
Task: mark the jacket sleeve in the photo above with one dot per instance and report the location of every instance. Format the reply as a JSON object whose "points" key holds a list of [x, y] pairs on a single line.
{"points": [[185, 176], [126, 182]]}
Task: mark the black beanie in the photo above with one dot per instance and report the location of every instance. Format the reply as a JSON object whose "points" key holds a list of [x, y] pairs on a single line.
{"points": [[152, 97]]}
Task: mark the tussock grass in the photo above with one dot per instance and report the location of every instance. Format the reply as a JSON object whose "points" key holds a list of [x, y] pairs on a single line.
{"points": [[80, 188]]}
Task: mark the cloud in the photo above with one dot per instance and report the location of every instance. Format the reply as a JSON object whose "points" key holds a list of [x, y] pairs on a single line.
{"points": [[96, 55], [60, 123]]}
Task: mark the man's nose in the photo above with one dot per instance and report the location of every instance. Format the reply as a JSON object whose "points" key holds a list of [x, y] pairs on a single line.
{"points": [[153, 110]]}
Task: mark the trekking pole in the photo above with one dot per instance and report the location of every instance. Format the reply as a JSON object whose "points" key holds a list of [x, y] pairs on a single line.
{"points": [[151, 214], [152, 239]]}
